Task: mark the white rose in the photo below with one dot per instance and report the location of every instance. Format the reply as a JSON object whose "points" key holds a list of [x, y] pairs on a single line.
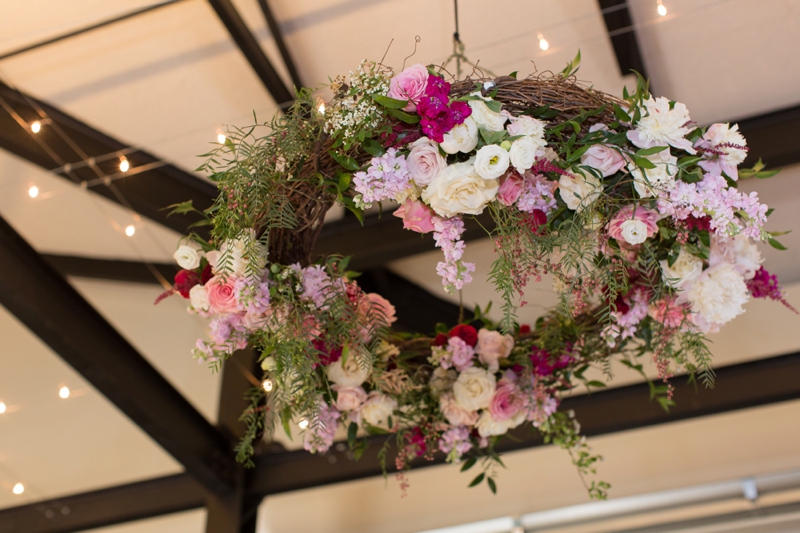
{"points": [[579, 192], [634, 231], [198, 296], [523, 153], [718, 294], [525, 125], [459, 189], [462, 138], [474, 389], [491, 162], [424, 161], [377, 409], [684, 270], [661, 178], [187, 257], [347, 374], [485, 117], [493, 346], [454, 413], [739, 250]]}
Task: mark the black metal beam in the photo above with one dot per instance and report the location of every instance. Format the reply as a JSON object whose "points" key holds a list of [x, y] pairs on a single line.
{"points": [[772, 137], [54, 311], [252, 51], [136, 501], [619, 24], [277, 34], [110, 269]]}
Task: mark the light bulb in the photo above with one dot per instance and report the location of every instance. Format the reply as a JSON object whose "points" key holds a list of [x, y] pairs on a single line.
{"points": [[303, 424], [64, 392], [130, 230], [124, 165], [543, 44], [321, 108], [19, 488], [267, 384], [221, 138], [33, 192], [2, 408], [36, 127], [662, 9]]}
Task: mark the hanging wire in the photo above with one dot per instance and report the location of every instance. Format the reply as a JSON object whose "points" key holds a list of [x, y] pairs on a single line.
{"points": [[458, 50]]}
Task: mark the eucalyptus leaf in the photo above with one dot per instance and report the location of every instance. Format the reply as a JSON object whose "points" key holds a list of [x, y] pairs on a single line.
{"points": [[408, 118], [389, 103], [345, 161]]}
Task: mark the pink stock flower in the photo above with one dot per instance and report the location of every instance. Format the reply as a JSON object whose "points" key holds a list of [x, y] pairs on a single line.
{"points": [[507, 401], [222, 294], [409, 85], [510, 189], [633, 224], [319, 434], [416, 216]]}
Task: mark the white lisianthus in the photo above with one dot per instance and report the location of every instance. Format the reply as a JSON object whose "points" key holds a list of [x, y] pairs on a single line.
{"points": [[579, 192], [462, 138], [523, 153], [424, 161], [187, 257], [474, 389], [459, 189], [485, 117], [634, 231], [663, 126], [491, 162], [377, 410], [269, 363], [718, 294], [684, 270], [347, 374], [739, 250], [661, 178], [525, 125], [198, 296]]}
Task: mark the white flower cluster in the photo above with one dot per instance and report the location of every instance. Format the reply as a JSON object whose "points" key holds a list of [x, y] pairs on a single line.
{"points": [[348, 115]]}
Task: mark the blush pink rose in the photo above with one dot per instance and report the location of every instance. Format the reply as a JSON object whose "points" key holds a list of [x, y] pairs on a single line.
{"points": [[349, 398], [455, 414], [493, 346], [507, 400], [379, 307], [409, 85], [510, 189], [633, 225], [604, 159], [424, 161], [222, 294], [416, 216]]}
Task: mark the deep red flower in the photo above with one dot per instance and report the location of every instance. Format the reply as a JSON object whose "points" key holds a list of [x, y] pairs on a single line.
{"points": [[466, 333], [206, 275], [327, 355], [416, 441], [440, 340], [185, 280], [698, 223], [524, 328], [536, 221]]}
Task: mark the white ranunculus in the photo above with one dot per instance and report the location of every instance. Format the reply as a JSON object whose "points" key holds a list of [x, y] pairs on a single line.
{"points": [[198, 296], [739, 250], [377, 410], [493, 346], [187, 257], [718, 294], [684, 270], [485, 117], [662, 126], [525, 125], [462, 138], [459, 189], [661, 178], [424, 161], [491, 162], [579, 192], [634, 231], [349, 373], [523, 153], [474, 389]]}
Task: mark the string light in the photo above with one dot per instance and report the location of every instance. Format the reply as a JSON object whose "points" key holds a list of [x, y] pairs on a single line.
{"points": [[221, 138], [267, 384], [2, 408], [662, 9], [36, 127], [130, 229], [19, 488], [321, 108], [64, 392], [124, 165], [33, 191], [303, 424], [543, 44]]}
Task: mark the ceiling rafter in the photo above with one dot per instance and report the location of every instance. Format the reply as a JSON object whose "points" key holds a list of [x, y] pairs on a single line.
{"points": [[619, 24]]}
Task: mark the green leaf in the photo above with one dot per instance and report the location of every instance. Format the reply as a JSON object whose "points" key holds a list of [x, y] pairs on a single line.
{"points": [[641, 162], [408, 118], [764, 174], [689, 160], [650, 151], [469, 463], [513, 75], [775, 244], [373, 147], [345, 161], [578, 153], [572, 66], [389, 103], [621, 115], [477, 480], [704, 237], [492, 485], [597, 384], [344, 181], [352, 430]]}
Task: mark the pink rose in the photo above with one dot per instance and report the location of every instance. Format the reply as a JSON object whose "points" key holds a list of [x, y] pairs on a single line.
{"points": [[456, 415], [424, 161], [378, 307], [349, 398], [493, 346], [604, 159], [507, 400], [633, 225], [409, 85], [222, 294], [510, 189], [416, 216]]}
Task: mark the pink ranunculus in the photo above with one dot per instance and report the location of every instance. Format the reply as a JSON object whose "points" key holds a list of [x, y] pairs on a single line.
{"points": [[633, 225], [604, 159], [507, 400], [424, 161], [349, 398], [416, 216], [493, 346], [222, 294], [455, 414], [409, 85], [510, 189]]}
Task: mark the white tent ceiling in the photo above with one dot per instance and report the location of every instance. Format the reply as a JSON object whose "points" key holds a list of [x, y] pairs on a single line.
{"points": [[169, 80]]}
